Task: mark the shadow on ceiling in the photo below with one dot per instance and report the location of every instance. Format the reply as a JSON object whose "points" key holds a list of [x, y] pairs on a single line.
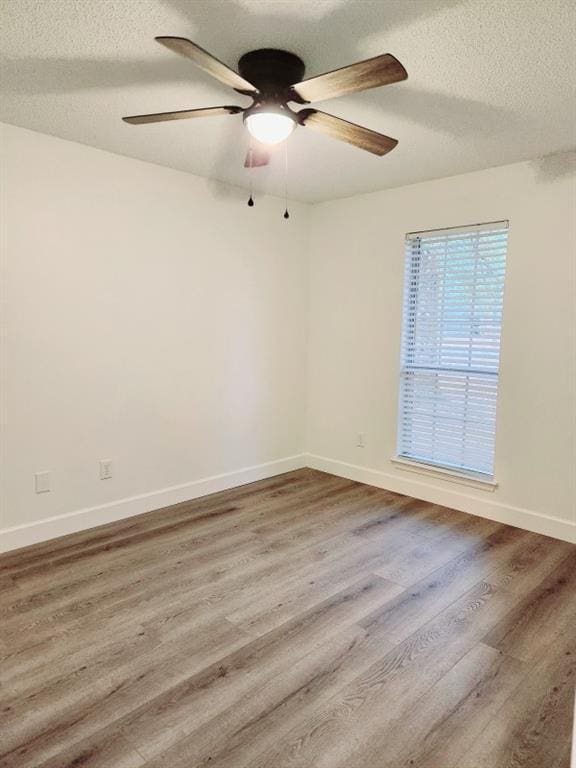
{"points": [[346, 26]]}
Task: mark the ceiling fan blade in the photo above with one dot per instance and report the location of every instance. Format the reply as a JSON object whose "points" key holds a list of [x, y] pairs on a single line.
{"points": [[208, 63], [256, 157], [183, 114], [371, 73], [340, 129]]}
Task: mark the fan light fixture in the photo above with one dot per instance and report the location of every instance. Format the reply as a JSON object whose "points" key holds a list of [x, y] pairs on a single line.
{"points": [[269, 127]]}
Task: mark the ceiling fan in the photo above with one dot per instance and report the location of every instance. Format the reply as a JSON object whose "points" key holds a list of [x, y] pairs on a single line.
{"points": [[273, 78]]}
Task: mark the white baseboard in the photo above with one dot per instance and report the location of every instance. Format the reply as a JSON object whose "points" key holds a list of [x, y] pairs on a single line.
{"points": [[82, 519], [448, 497]]}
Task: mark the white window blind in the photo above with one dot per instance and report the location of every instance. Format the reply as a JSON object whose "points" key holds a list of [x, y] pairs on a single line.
{"points": [[454, 283]]}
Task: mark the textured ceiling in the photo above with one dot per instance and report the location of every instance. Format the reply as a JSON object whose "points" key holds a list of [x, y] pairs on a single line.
{"points": [[490, 82]]}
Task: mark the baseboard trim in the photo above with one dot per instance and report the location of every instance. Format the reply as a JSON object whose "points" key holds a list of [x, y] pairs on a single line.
{"points": [[82, 519], [448, 497]]}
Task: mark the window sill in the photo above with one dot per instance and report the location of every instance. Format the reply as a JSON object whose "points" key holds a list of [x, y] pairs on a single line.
{"points": [[450, 475]]}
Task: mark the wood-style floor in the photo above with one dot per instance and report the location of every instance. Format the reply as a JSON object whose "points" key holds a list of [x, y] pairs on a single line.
{"points": [[305, 621]]}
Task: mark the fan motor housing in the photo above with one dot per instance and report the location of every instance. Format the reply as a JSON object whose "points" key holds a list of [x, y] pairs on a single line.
{"points": [[271, 70]]}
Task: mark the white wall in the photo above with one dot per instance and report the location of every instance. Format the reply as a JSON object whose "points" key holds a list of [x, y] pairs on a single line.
{"points": [[356, 280], [150, 317]]}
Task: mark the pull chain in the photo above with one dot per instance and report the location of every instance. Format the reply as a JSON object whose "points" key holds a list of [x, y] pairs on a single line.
{"points": [[251, 174], [286, 214]]}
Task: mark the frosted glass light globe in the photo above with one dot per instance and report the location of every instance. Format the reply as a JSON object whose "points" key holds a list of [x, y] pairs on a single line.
{"points": [[270, 127]]}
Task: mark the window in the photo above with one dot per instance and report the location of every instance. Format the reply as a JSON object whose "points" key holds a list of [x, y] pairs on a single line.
{"points": [[454, 283]]}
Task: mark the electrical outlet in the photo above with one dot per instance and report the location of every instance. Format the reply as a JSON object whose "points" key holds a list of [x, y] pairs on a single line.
{"points": [[42, 482], [106, 469], [360, 440]]}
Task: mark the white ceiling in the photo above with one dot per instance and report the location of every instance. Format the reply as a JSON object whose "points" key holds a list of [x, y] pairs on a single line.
{"points": [[490, 82]]}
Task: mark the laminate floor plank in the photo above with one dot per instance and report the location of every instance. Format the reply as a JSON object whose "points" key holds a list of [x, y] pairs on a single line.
{"points": [[40, 555], [31, 671], [275, 603], [363, 709], [532, 728], [56, 604], [298, 622], [237, 705], [190, 527], [531, 564], [422, 601], [195, 589], [190, 524], [546, 612], [446, 720], [202, 580], [236, 736], [409, 567], [80, 708], [95, 752], [242, 673], [351, 511]]}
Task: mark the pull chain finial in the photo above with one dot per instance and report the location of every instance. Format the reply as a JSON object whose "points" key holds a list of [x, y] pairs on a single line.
{"points": [[250, 172]]}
